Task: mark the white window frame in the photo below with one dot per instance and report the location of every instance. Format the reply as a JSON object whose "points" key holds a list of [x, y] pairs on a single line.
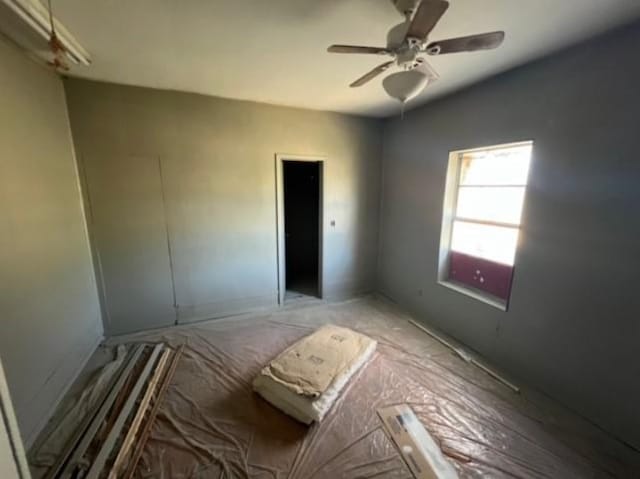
{"points": [[449, 216]]}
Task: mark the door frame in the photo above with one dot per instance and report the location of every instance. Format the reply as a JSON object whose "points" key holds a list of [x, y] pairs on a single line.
{"points": [[280, 239], [12, 453]]}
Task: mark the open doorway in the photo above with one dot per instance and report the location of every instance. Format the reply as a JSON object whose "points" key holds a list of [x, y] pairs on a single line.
{"points": [[301, 229], [301, 192]]}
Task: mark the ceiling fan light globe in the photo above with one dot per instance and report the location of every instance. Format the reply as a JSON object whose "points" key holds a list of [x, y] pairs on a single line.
{"points": [[403, 86]]}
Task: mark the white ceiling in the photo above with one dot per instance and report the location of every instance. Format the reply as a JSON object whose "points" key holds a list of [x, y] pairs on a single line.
{"points": [[274, 51]]}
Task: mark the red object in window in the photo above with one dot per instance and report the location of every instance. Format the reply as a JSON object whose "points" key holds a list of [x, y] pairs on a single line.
{"points": [[487, 276]]}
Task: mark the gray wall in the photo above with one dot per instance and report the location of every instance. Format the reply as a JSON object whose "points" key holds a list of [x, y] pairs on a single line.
{"points": [[196, 175], [48, 300], [573, 326]]}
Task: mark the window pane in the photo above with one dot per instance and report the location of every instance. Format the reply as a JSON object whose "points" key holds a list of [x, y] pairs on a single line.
{"points": [[494, 243], [502, 204], [504, 166]]}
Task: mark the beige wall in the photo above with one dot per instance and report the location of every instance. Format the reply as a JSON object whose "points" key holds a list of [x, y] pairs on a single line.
{"points": [[196, 175], [50, 317]]}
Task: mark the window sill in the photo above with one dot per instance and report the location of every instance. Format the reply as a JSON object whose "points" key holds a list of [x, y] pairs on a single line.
{"points": [[475, 294]]}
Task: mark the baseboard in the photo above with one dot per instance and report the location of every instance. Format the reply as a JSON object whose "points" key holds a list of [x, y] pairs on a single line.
{"points": [[71, 368]]}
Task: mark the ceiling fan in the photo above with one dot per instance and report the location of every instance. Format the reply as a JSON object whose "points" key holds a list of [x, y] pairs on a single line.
{"points": [[406, 43]]}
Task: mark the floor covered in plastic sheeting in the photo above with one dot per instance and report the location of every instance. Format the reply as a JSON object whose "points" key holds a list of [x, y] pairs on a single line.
{"points": [[212, 425]]}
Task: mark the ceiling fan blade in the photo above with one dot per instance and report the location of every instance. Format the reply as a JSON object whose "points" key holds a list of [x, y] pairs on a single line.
{"points": [[483, 41], [372, 74], [427, 16], [357, 49]]}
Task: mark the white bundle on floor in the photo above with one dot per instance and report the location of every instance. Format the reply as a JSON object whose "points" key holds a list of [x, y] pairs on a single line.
{"points": [[305, 380]]}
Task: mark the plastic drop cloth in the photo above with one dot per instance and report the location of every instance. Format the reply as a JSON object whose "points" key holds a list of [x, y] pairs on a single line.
{"points": [[212, 425], [71, 417]]}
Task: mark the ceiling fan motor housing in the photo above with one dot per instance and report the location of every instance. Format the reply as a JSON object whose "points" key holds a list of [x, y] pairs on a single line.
{"points": [[407, 57]]}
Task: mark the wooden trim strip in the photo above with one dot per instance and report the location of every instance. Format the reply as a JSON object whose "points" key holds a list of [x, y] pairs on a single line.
{"points": [[107, 446], [137, 420], [73, 442], [97, 420], [464, 355], [144, 435]]}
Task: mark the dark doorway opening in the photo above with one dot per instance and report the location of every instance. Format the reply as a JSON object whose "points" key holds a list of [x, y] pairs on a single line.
{"points": [[301, 184]]}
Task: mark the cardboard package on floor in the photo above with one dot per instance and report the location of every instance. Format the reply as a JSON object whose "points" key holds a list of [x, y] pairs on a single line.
{"points": [[417, 447]]}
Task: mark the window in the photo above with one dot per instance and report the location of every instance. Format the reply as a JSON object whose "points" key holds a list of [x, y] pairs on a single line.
{"points": [[483, 205]]}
